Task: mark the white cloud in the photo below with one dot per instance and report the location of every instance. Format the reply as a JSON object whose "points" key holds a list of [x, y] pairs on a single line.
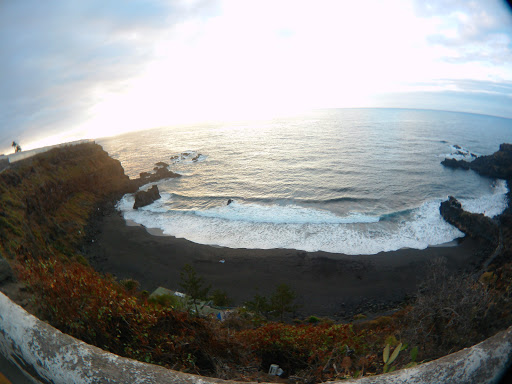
{"points": [[272, 56], [472, 32], [94, 68], [59, 54]]}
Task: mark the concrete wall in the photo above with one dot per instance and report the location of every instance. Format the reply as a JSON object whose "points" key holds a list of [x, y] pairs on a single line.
{"points": [[49, 356], [26, 154]]}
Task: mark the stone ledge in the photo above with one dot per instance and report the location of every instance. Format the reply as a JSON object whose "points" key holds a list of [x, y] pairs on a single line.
{"points": [[49, 356]]}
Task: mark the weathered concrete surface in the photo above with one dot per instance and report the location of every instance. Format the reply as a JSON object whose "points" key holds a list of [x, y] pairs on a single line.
{"points": [[49, 356], [483, 363]]}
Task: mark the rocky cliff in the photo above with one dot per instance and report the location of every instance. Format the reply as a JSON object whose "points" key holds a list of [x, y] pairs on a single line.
{"points": [[497, 231], [472, 224], [498, 165], [47, 200]]}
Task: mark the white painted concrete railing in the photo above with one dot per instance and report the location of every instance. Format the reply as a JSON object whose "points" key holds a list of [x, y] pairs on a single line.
{"points": [[49, 356]]}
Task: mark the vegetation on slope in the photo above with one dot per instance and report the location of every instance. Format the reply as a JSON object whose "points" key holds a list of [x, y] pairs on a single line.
{"points": [[450, 314], [48, 199], [47, 202]]}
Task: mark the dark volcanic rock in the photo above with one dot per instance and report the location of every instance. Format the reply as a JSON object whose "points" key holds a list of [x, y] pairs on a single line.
{"points": [[472, 224], [498, 165], [159, 174], [452, 163], [143, 198]]}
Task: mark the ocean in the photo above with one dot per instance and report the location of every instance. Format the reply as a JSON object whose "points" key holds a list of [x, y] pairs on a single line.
{"points": [[352, 181]]}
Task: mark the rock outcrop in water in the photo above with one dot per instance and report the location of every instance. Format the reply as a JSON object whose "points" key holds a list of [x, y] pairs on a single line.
{"points": [[161, 171], [186, 156], [498, 165], [497, 231], [143, 198], [472, 224]]}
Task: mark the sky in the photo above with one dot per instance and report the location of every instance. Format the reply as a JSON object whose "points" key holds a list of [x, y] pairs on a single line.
{"points": [[75, 69]]}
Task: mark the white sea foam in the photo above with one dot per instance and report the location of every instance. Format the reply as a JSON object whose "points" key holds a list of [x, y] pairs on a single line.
{"points": [[249, 226], [242, 225], [278, 214], [188, 157], [158, 206], [489, 205], [460, 153]]}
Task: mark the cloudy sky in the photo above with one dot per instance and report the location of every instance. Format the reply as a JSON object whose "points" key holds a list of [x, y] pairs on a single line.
{"points": [[73, 69]]}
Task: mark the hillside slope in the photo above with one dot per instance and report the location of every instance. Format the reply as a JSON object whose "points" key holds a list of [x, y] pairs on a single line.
{"points": [[47, 200]]}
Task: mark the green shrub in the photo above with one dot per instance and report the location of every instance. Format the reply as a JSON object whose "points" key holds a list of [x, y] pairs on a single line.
{"points": [[169, 301], [220, 298], [98, 310], [130, 285]]}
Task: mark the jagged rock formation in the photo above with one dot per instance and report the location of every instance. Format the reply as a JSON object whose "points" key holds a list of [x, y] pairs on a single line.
{"points": [[161, 171], [498, 165], [473, 224], [497, 231], [143, 198], [186, 156]]}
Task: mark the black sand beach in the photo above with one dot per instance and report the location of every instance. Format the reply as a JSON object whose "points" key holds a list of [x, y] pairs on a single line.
{"points": [[327, 284]]}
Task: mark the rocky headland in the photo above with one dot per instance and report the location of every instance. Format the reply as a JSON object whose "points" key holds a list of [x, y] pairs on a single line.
{"points": [[475, 225], [51, 202], [497, 165], [497, 231]]}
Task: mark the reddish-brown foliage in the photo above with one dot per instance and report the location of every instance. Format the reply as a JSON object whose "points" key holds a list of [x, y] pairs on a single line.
{"points": [[316, 351], [99, 310], [79, 301]]}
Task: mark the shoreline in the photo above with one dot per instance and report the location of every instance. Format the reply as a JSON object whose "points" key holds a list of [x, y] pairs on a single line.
{"points": [[159, 232], [333, 285]]}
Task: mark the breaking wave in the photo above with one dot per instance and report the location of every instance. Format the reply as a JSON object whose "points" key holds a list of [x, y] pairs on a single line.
{"points": [[256, 226]]}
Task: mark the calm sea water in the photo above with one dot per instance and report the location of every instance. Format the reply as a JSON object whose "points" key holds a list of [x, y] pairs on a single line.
{"points": [[353, 181]]}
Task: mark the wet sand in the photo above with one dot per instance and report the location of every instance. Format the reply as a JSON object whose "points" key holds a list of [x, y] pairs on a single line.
{"points": [[326, 284]]}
